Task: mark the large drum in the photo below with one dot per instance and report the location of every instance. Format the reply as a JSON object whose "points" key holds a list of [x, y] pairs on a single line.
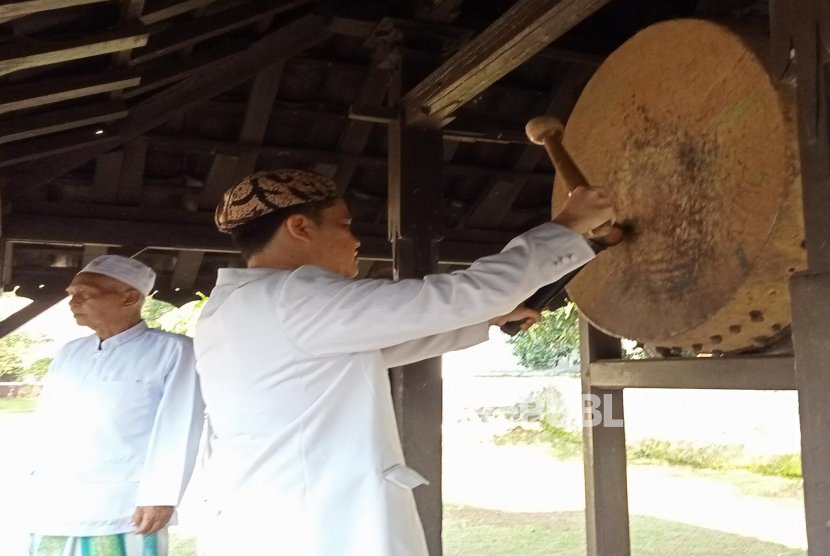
{"points": [[697, 144]]}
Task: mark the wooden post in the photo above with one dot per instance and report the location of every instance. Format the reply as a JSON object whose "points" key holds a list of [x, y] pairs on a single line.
{"points": [[811, 313], [415, 200], [606, 486], [803, 32], [811, 340]]}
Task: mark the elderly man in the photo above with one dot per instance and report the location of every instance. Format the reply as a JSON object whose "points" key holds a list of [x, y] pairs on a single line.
{"points": [[293, 355], [118, 424]]}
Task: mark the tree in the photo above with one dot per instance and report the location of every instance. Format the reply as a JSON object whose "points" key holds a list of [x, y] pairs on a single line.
{"points": [[39, 368], [13, 351], [182, 320], [154, 310], [552, 339]]}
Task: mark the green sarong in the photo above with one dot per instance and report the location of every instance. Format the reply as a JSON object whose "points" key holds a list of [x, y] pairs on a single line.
{"points": [[124, 544]]}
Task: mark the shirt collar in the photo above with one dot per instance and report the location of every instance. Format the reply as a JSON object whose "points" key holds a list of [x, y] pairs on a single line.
{"points": [[124, 337], [240, 276]]}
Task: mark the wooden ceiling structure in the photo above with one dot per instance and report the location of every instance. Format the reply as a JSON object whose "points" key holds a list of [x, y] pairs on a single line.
{"points": [[122, 122]]}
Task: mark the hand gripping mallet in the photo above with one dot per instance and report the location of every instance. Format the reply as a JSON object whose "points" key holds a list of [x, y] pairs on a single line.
{"points": [[548, 131]]}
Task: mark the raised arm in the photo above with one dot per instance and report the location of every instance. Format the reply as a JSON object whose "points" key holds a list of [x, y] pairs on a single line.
{"points": [[324, 314]]}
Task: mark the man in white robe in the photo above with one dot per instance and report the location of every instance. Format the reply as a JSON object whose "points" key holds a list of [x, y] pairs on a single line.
{"points": [[117, 424], [293, 356]]}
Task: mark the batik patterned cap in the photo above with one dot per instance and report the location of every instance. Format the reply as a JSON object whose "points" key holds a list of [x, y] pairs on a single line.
{"points": [[265, 192]]}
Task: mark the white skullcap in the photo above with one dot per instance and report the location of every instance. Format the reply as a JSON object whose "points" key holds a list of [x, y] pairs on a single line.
{"points": [[130, 271]]}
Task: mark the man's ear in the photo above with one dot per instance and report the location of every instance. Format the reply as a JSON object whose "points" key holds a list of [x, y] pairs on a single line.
{"points": [[299, 227], [131, 298]]}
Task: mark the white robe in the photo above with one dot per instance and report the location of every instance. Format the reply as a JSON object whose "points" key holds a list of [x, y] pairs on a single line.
{"points": [[305, 455], [117, 426]]}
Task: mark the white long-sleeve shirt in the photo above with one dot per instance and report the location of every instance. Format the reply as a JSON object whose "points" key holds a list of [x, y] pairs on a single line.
{"points": [[117, 426], [306, 458]]}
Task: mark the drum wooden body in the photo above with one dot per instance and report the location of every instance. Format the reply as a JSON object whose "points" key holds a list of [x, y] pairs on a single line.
{"points": [[697, 144]]}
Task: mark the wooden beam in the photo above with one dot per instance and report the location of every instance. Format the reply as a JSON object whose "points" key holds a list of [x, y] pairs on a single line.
{"points": [[61, 120], [211, 146], [260, 103], [27, 95], [606, 483], [92, 252], [107, 173], [724, 373], [414, 213], [220, 177], [130, 12], [524, 30], [30, 311], [495, 202], [207, 27], [187, 268], [178, 70], [55, 144], [364, 267], [257, 115], [8, 263], [470, 131], [351, 27], [442, 11], [82, 231], [799, 40], [569, 55], [159, 10], [811, 340], [225, 74], [75, 230], [11, 9], [356, 136], [226, 170], [132, 172], [16, 57], [39, 21]]}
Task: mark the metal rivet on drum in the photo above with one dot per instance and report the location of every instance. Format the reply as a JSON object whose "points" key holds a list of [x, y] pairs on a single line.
{"points": [[756, 316], [716, 339], [676, 350], [735, 329]]}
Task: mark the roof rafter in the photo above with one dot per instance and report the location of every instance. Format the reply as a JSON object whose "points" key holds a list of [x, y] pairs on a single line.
{"points": [[523, 31], [224, 74]]}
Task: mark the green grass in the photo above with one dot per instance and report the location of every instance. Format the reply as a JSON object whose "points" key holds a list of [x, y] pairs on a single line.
{"points": [[788, 466], [751, 483], [17, 405], [712, 456], [719, 457], [563, 444], [478, 532], [181, 545]]}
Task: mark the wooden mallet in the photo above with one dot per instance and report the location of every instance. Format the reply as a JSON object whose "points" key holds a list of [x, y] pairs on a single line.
{"points": [[548, 131]]}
